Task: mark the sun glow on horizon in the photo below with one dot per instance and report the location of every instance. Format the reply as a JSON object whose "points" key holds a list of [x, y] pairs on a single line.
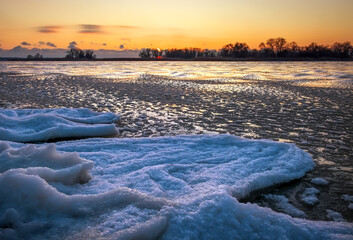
{"points": [[211, 24]]}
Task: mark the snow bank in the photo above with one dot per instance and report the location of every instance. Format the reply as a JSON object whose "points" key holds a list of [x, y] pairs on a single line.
{"points": [[45, 162], [35, 125], [168, 188]]}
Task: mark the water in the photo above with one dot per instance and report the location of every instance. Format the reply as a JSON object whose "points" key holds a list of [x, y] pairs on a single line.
{"points": [[305, 103], [330, 71]]}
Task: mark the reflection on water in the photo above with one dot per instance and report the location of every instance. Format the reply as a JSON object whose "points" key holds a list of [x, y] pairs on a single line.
{"points": [[301, 72]]}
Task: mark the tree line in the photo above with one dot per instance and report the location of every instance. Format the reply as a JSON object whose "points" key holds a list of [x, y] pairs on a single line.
{"points": [[272, 48], [76, 53], [73, 53]]}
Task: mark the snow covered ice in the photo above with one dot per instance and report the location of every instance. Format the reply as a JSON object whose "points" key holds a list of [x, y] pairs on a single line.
{"points": [[35, 125], [309, 196], [319, 181], [183, 187]]}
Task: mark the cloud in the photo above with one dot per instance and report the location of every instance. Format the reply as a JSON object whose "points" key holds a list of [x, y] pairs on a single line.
{"points": [[72, 44], [60, 52], [104, 44], [49, 29], [41, 42], [18, 49], [25, 44], [126, 27], [51, 44], [91, 28], [121, 46]]}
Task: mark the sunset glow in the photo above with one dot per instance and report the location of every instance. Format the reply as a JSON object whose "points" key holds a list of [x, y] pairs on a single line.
{"points": [[122, 25]]}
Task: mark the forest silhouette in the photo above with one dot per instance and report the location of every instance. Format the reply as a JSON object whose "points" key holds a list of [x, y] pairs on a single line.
{"points": [[273, 48]]}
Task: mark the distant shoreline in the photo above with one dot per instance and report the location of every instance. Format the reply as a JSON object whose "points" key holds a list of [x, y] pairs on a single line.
{"points": [[211, 59]]}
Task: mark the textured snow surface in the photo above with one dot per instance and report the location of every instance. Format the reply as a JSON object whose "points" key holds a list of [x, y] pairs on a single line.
{"points": [[35, 125], [184, 187]]}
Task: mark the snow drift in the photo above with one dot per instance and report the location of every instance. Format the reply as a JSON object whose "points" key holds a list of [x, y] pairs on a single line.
{"points": [[35, 125], [184, 187]]}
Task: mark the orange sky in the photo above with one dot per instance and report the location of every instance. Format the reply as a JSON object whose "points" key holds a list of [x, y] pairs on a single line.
{"points": [[135, 24]]}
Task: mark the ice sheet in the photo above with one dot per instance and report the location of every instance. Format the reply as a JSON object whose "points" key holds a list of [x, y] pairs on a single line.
{"points": [[184, 187], [35, 125]]}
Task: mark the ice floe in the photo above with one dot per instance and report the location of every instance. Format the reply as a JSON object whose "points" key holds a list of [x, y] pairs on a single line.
{"points": [[282, 203], [348, 199], [184, 187], [35, 125], [319, 181], [334, 216], [309, 196]]}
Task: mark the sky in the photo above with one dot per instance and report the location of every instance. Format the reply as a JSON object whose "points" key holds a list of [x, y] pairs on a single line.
{"points": [[129, 25]]}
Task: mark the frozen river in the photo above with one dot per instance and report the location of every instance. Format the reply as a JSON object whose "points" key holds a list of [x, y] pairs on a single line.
{"points": [[308, 104]]}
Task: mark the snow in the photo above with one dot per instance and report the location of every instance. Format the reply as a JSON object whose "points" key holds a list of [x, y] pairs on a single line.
{"points": [[319, 181], [335, 216], [45, 162], [309, 196], [35, 125], [350, 206], [183, 187], [348, 199], [283, 204]]}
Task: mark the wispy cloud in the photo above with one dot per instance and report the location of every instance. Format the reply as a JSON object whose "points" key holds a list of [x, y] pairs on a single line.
{"points": [[91, 28], [41, 42], [25, 44], [126, 26], [49, 29], [98, 44], [51, 44]]}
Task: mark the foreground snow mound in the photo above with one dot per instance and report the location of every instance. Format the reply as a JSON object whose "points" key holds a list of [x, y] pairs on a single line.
{"points": [[45, 162], [35, 125], [184, 187]]}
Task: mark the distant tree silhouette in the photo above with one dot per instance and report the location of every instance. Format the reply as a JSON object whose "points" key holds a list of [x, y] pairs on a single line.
{"points": [[315, 50], [273, 48], [30, 56], [265, 51], [89, 54], [293, 49], [145, 53], [236, 50], [342, 50], [76, 53], [276, 46], [37, 56]]}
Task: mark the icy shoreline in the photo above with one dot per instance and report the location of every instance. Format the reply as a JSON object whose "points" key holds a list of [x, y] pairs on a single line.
{"points": [[167, 187]]}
